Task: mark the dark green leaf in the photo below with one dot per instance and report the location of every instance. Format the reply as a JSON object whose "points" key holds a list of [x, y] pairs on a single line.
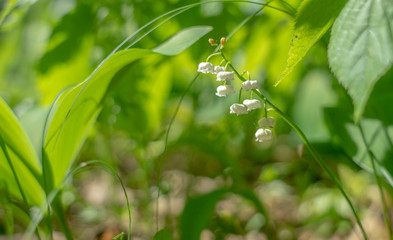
{"points": [[313, 19], [182, 40], [361, 47], [197, 213], [162, 235]]}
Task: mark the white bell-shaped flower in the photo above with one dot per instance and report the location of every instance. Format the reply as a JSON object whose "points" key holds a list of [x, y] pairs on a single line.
{"points": [[225, 76], [222, 90], [263, 135], [206, 67], [249, 84], [252, 104], [218, 69], [267, 122], [238, 109]]}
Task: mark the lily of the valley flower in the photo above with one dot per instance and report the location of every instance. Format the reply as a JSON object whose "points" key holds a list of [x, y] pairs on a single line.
{"points": [[218, 69], [225, 76], [238, 109], [263, 135], [224, 90], [252, 104], [206, 67], [249, 84], [267, 122]]}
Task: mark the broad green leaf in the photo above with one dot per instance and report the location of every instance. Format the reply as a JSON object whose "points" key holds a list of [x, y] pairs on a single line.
{"points": [[22, 155], [162, 235], [197, 213], [144, 97], [313, 19], [347, 135], [361, 47], [198, 210], [182, 40], [76, 110]]}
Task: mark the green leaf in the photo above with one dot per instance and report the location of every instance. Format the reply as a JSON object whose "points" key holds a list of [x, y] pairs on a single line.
{"points": [[182, 40], [313, 19], [361, 47], [162, 235], [76, 110], [22, 155], [196, 214], [348, 136]]}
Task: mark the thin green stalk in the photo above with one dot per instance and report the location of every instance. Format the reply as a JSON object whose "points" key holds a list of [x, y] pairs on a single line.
{"points": [[313, 152], [22, 193], [379, 183], [52, 195]]}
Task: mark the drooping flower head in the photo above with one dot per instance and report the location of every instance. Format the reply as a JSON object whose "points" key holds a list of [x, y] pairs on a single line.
{"points": [[206, 67], [218, 69], [224, 90], [252, 104], [225, 76], [263, 135], [249, 84], [238, 109], [267, 122]]}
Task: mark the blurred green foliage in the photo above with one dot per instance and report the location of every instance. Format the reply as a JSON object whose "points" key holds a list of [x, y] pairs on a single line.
{"points": [[212, 159]]}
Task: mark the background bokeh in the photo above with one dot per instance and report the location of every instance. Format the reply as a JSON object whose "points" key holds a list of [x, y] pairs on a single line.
{"points": [[46, 46]]}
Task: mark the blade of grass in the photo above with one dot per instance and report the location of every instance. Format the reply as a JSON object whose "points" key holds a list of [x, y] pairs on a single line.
{"points": [[378, 181], [22, 193], [54, 193]]}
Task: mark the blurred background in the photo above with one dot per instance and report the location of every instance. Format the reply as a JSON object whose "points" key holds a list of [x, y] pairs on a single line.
{"points": [[249, 190]]}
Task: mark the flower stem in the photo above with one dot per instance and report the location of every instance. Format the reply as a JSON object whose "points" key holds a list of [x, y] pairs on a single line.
{"points": [[313, 152], [379, 183]]}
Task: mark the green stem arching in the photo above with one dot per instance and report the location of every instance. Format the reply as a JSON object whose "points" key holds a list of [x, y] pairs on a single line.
{"points": [[379, 182], [313, 152]]}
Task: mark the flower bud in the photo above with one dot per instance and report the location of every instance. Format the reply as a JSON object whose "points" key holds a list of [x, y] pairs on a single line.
{"points": [[211, 41], [238, 109], [252, 104], [263, 135], [267, 122], [225, 76], [249, 84], [223, 41], [205, 67], [222, 90], [218, 69]]}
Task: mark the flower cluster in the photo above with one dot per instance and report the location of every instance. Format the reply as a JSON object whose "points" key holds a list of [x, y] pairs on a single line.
{"points": [[222, 75], [263, 133]]}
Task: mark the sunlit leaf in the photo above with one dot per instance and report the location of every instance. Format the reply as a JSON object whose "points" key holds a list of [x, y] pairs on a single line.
{"points": [[313, 19], [361, 47], [22, 155], [76, 110], [182, 40]]}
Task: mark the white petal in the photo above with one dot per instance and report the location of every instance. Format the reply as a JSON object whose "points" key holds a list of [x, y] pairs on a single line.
{"points": [[238, 109], [252, 104], [225, 76]]}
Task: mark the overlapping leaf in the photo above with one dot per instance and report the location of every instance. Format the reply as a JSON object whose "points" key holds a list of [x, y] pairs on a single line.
{"points": [[313, 19], [22, 155], [361, 47]]}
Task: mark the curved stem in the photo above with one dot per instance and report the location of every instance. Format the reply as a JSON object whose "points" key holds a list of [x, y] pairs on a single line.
{"points": [[313, 152], [379, 182]]}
